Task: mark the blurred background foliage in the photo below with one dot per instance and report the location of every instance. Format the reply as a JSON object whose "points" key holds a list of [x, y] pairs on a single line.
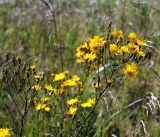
{"points": [[27, 29]]}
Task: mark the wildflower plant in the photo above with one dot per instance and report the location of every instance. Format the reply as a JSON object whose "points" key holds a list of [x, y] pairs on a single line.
{"points": [[109, 59], [65, 74], [60, 103]]}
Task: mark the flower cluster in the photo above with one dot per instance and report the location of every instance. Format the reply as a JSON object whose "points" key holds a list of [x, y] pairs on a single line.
{"points": [[73, 109], [127, 53], [42, 106], [62, 82], [87, 53], [133, 46]]}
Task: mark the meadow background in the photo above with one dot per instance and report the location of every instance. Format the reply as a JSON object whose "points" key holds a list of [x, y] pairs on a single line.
{"points": [[29, 30]]}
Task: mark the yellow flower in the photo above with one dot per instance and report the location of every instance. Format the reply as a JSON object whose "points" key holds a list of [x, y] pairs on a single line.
{"points": [[61, 90], [39, 106], [69, 82], [36, 87], [72, 101], [130, 70], [44, 99], [37, 77], [90, 102], [114, 49], [18, 58], [140, 42], [96, 43], [61, 76], [5, 132], [124, 49], [109, 81], [72, 111], [118, 34], [33, 67], [87, 51], [80, 61], [132, 36], [80, 51], [42, 106], [50, 89], [47, 109], [75, 78], [133, 48], [80, 54], [82, 47], [96, 85], [90, 56], [141, 53]]}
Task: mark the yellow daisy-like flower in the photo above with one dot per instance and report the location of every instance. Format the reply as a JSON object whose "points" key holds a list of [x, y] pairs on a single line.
{"points": [[140, 42], [124, 49], [5, 132], [118, 34], [72, 111], [47, 109], [69, 82], [113, 48], [38, 106], [61, 76], [130, 70], [37, 77], [82, 47], [90, 102], [141, 53], [132, 36], [96, 85], [80, 54], [74, 81], [133, 48], [75, 78], [49, 88], [96, 43], [90, 56], [80, 50], [72, 101], [33, 67], [36, 87]]}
